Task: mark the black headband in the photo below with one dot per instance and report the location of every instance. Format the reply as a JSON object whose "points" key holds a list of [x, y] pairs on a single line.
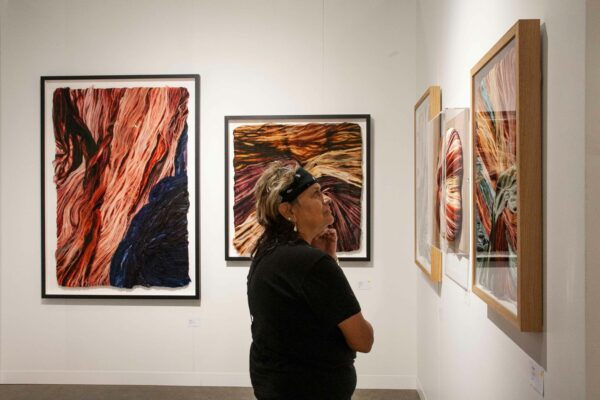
{"points": [[302, 180]]}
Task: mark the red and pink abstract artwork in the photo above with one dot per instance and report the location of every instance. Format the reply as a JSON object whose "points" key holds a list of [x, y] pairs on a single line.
{"points": [[120, 174]]}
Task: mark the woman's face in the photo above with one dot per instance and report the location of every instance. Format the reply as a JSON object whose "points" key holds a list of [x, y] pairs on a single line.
{"points": [[311, 210]]}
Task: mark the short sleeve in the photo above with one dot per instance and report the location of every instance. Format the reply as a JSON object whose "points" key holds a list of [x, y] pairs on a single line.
{"points": [[328, 292]]}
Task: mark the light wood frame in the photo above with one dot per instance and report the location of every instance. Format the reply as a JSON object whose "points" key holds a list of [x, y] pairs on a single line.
{"points": [[529, 316], [433, 95]]}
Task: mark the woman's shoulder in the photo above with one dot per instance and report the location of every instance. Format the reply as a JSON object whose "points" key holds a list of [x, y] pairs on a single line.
{"points": [[301, 251]]}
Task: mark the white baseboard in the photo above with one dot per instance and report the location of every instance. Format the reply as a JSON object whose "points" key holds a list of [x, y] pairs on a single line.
{"points": [[420, 390], [175, 379], [386, 382], [162, 378]]}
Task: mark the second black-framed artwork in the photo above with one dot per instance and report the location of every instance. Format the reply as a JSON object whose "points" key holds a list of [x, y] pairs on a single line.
{"points": [[120, 186], [334, 148]]}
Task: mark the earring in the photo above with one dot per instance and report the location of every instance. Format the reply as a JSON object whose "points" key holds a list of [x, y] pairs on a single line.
{"points": [[295, 229]]}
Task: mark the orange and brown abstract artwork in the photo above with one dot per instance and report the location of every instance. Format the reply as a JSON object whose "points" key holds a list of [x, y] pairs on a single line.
{"points": [[331, 152], [120, 171], [496, 212]]}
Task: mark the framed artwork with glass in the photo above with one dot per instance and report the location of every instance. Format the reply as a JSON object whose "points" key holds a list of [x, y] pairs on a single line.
{"points": [[120, 186], [507, 176], [427, 250], [333, 148], [453, 193]]}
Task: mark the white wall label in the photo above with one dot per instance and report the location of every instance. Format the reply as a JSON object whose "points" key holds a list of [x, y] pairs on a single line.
{"points": [[536, 377], [364, 285], [193, 323]]}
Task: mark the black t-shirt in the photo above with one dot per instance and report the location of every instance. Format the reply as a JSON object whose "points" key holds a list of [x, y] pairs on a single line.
{"points": [[297, 296]]}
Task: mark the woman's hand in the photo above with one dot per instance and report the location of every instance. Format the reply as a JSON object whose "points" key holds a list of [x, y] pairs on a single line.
{"points": [[327, 241]]}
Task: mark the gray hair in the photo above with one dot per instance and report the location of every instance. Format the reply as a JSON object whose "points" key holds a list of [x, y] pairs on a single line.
{"points": [[273, 180]]}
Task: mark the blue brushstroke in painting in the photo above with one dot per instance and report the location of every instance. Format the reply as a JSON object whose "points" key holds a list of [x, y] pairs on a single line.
{"points": [[154, 251]]}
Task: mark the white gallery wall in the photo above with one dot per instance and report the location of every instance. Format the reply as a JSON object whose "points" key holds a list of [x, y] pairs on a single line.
{"points": [[254, 57], [465, 350], [592, 198]]}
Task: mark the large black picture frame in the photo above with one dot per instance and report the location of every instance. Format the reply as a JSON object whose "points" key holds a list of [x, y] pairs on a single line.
{"points": [[364, 123], [181, 155]]}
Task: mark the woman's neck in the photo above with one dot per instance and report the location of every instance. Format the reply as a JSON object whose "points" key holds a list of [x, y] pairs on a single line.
{"points": [[308, 237]]}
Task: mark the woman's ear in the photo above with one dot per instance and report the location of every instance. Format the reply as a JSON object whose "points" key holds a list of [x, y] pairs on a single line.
{"points": [[285, 209]]}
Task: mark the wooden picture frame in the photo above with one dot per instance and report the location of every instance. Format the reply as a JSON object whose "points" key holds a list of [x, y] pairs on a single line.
{"points": [[120, 185], [427, 252], [335, 148], [507, 175]]}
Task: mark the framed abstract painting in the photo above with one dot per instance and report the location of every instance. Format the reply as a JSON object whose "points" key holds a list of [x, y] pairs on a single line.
{"points": [[120, 186], [453, 196], [453, 175], [333, 148], [507, 201], [428, 255]]}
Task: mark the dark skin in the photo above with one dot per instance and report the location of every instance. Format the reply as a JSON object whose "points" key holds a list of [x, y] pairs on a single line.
{"points": [[312, 216]]}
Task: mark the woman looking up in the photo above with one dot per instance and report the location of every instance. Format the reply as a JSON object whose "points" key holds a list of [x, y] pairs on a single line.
{"points": [[306, 322]]}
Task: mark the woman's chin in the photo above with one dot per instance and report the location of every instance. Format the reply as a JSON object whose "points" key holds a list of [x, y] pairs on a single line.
{"points": [[329, 219]]}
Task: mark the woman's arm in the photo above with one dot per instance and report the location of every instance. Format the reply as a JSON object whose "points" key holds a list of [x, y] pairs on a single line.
{"points": [[358, 333]]}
